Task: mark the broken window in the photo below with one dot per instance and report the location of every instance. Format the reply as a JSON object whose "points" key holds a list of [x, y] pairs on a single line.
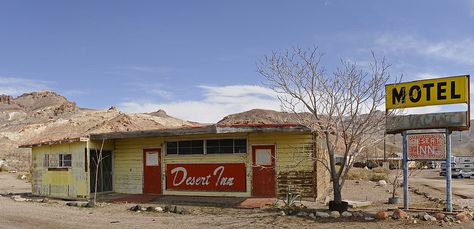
{"points": [[57, 160]]}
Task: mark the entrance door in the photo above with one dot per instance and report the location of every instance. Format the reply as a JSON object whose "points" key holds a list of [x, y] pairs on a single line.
{"points": [[263, 181], [152, 171], [104, 173]]}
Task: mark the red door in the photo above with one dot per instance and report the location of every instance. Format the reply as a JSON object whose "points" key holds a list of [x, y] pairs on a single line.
{"points": [[263, 161], [152, 171]]}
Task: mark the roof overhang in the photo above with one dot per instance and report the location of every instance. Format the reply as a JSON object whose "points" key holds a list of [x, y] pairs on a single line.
{"points": [[55, 142], [211, 129]]}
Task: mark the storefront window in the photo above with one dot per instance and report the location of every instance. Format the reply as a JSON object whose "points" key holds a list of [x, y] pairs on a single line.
{"points": [[212, 146]]}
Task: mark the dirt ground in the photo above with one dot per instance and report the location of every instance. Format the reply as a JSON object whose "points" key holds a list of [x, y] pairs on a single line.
{"points": [[55, 214]]}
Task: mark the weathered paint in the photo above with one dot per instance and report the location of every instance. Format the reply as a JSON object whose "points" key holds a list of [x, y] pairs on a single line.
{"points": [[71, 183], [293, 151]]}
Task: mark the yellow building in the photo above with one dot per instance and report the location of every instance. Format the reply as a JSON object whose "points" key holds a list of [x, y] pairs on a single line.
{"points": [[238, 160]]}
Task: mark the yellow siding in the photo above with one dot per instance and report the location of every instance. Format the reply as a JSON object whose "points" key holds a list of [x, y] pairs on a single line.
{"points": [[292, 154], [64, 184]]}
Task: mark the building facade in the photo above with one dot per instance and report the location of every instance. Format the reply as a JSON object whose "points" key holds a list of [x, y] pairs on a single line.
{"points": [[236, 161]]}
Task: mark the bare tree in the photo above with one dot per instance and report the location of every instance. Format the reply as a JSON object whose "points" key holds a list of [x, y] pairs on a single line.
{"points": [[97, 162], [342, 108]]}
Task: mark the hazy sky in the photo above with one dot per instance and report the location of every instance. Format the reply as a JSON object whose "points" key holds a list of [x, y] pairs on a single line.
{"points": [[196, 59]]}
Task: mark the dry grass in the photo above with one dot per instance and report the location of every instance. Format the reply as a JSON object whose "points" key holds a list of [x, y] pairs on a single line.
{"points": [[375, 174]]}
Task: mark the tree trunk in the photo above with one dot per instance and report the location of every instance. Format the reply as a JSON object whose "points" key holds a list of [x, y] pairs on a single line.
{"points": [[337, 191]]}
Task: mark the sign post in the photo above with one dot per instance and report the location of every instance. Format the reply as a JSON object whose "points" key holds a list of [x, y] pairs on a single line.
{"points": [[405, 170], [449, 204], [434, 145]]}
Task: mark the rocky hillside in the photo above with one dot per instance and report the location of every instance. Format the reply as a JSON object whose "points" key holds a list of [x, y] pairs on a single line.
{"points": [[462, 142], [45, 116]]}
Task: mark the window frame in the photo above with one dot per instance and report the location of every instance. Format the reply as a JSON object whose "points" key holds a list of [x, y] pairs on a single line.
{"points": [[205, 146], [47, 158]]}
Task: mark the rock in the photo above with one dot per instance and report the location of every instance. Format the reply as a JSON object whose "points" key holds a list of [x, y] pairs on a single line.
{"points": [[72, 204], [150, 209], [180, 210], [428, 217], [335, 214], [382, 183], [136, 208], [23, 177], [358, 204], [143, 209], [322, 214], [358, 214], [346, 214], [439, 216], [169, 208], [463, 217], [301, 214], [382, 215], [89, 204], [399, 214], [312, 216], [282, 213], [45, 200], [158, 209], [368, 218]]}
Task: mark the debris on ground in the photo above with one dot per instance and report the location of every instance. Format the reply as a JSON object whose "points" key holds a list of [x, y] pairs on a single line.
{"points": [[168, 209]]}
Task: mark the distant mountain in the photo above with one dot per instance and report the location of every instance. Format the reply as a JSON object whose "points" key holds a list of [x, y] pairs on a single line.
{"points": [[47, 116]]}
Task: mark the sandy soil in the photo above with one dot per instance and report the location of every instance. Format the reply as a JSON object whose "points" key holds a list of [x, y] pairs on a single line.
{"points": [[56, 214]]}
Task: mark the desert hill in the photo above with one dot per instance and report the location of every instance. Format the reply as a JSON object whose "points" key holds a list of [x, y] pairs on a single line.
{"points": [[47, 116]]}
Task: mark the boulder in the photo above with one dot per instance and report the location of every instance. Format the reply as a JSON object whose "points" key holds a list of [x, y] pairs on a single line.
{"points": [[312, 216], [368, 218], [399, 214], [439, 216], [428, 217], [382, 183], [158, 209], [322, 214], [335, 214], [136, 208], [301, 214], [346, 214], [463, 217], [382, 215]]}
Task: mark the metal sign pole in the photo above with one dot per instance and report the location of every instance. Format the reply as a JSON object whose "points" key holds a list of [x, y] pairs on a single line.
{"points": [[405, 170], [449, 204]]}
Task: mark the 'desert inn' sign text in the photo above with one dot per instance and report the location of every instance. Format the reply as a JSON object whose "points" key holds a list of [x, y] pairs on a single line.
{"points": [[206, 177], [426, 146]]}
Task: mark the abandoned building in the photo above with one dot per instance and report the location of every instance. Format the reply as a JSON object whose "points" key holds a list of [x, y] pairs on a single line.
{"points": [[252, 160]]}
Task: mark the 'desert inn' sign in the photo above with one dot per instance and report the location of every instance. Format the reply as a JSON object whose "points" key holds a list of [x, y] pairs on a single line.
{"points": [[449, 90], [426, 146], [206, 177]]}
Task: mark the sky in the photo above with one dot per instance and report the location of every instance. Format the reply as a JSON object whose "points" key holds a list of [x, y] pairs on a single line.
{"points": [[197, 59]]}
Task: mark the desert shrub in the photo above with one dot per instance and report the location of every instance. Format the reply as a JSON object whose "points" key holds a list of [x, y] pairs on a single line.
{"points": [[381, 170], [378, 176], [358, 174]]}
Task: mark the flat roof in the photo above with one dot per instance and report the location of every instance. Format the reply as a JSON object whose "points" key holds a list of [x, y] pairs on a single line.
{"points": [[209, 129]]}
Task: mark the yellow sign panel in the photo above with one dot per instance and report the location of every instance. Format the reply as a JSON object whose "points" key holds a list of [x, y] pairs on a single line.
{"points": [[440, 91]]}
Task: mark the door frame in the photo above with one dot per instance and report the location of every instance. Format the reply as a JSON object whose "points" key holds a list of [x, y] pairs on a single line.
{"points": [[160, 162], [112, 169], [274, 159]]}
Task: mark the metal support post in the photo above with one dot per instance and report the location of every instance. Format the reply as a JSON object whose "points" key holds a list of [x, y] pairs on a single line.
{"points": [[449, 204], [405, 170]]}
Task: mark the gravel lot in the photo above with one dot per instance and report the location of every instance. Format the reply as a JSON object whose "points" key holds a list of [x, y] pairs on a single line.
{"points": [[55, 214]]}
